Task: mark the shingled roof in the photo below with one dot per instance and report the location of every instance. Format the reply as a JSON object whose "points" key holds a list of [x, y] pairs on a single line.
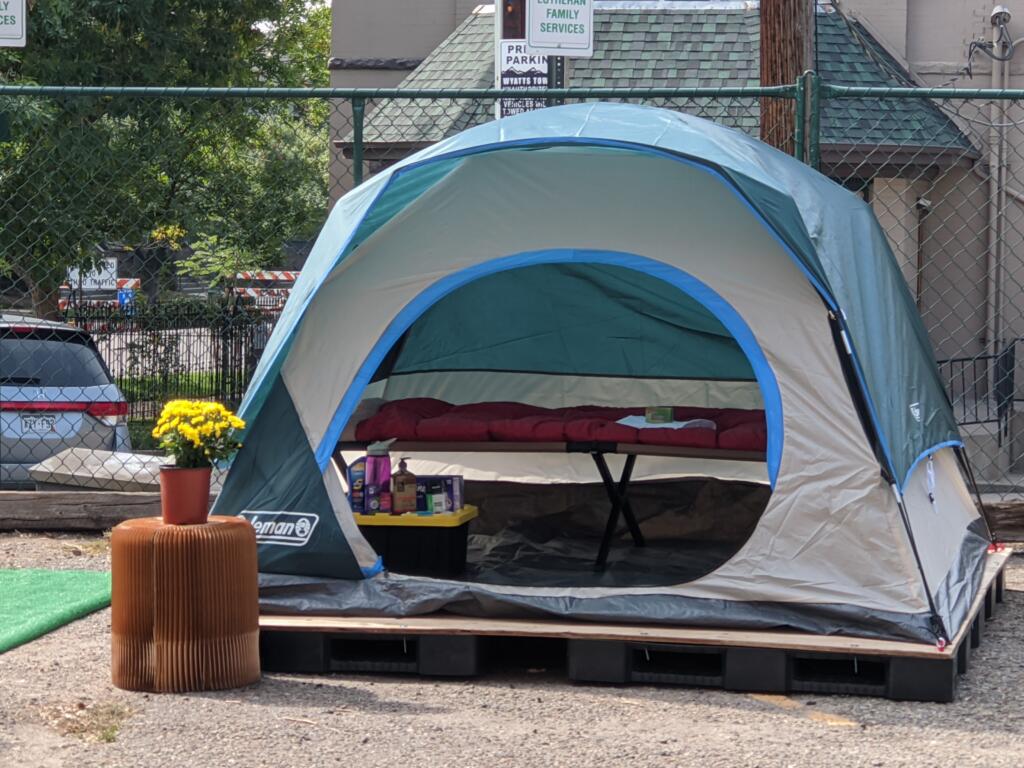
{"points": [[685, 48]]}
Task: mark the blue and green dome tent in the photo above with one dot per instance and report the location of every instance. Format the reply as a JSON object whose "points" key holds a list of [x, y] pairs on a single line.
{"points": [[616, 254]]}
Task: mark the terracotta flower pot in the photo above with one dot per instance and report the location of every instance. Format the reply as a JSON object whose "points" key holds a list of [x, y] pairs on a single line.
{"points": [[184, 495]]}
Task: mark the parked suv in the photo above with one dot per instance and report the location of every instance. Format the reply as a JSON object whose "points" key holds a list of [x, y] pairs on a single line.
{"points": [[55, 393]]}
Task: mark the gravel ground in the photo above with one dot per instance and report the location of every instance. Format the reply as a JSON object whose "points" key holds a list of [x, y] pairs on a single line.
{"points": [[58, 708]]}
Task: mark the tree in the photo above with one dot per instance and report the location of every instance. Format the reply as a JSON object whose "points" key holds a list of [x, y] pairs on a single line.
{"points": [[276, 179], [242, 173]]}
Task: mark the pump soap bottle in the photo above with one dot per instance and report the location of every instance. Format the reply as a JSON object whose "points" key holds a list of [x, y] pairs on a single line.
{"points": [[403, 489]]}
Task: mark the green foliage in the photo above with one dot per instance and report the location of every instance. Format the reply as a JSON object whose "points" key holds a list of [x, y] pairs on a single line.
{"points": [[234, 177], [297, 46], [141, 433], [142, 42], [170, 386], [174, 313]]}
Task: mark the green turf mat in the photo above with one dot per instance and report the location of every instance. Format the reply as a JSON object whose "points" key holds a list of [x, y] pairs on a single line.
{"points": [[34, 602]]}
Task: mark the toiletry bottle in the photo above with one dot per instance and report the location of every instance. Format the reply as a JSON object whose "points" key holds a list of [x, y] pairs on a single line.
{"points": [[357, 485], [403, 490], [378, 476]]}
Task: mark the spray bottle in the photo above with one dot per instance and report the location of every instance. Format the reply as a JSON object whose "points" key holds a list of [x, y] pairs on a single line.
{"points": [[357, 485]]}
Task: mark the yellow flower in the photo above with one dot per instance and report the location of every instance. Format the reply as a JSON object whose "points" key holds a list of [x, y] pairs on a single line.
{"points": [[197, 424]]}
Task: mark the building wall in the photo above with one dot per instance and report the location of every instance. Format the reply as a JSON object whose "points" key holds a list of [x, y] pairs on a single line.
{"points": [[953, 240], [885, 19], [937, 227], [388, 37], [894, 204], [393, 29]]}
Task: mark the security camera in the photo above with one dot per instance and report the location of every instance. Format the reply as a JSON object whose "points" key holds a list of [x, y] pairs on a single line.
{"points": [[924, 204], [1000, 16]]}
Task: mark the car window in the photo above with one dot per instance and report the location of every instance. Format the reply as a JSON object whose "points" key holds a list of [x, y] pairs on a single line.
{"points": [[49, 363]]}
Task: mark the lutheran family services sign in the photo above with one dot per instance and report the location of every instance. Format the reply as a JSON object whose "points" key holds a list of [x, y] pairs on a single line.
{"points": [[12, 23], [560, 27]]}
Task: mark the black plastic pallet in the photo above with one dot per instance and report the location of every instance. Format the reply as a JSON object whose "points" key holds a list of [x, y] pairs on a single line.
{"points": [[317, 652], [399, 648]]}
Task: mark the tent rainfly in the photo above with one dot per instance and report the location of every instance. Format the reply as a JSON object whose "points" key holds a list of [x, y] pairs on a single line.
{"points": [[733, 273]]}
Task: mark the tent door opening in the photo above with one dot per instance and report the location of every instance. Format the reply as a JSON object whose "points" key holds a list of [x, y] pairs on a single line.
{"points": [[518, 379]]}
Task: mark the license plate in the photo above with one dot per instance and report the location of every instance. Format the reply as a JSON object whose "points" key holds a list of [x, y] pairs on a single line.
{"points": [[39, 424]]}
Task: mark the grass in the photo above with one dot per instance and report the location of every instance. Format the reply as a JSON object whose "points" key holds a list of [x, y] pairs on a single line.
{"points": [[94, 547], [97, 722], [141, 431], [174, 385]]}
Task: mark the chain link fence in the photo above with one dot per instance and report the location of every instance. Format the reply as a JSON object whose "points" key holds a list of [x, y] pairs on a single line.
{"points": [[942, 171], [150, 236]]}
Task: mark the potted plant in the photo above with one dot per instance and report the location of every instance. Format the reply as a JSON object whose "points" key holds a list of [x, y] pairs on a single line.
{"points": [[197, 434]]}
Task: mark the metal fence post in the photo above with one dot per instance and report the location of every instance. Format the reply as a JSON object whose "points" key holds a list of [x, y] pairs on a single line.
{"points": [[800, 118], [358, 116], [814, 121]]}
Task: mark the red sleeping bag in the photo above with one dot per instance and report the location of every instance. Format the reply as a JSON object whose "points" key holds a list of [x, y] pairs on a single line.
{"points": [[428, 420]]}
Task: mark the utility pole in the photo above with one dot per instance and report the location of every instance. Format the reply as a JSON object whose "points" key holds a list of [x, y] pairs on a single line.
{"points": [[787, 51]]}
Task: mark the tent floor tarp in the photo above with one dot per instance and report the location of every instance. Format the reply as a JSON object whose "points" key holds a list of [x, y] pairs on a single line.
{"points": [[515, 557], [547, 535], [742, 660]]}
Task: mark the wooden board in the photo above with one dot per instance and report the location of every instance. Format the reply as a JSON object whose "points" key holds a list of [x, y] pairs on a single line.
{"points": [[73, 510], [994, 565], [1006, 519], [447, 624]]}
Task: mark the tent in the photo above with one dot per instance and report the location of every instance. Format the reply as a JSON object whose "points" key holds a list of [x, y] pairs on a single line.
{"points": [[611, 254]]}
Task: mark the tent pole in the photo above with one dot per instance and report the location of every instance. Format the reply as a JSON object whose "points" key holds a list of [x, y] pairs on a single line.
{"points": [[941, 634], [965, 465], [844, 345]]}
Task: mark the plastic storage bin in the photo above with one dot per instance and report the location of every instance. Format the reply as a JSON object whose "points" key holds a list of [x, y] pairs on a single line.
{"points": [[420, 545]]}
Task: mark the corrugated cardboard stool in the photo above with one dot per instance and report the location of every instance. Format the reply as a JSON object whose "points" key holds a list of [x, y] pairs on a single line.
{"points": [[185, 605]]}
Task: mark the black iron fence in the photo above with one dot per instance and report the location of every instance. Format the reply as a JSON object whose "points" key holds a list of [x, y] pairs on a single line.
{"points": [[982, 387], [196, 350]]}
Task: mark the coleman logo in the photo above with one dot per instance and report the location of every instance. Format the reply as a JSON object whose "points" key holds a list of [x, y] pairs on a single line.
{"points": [[915, 411], [289, 529]]}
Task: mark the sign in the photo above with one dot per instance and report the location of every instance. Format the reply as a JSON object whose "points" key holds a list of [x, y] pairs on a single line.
{"points": [[103, 278], [560, 27], [286, 529], [13, 23], [520, 70], [125, 297]]}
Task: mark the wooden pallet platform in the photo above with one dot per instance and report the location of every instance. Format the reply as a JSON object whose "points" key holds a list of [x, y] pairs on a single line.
{"points": [[754, 660]]}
